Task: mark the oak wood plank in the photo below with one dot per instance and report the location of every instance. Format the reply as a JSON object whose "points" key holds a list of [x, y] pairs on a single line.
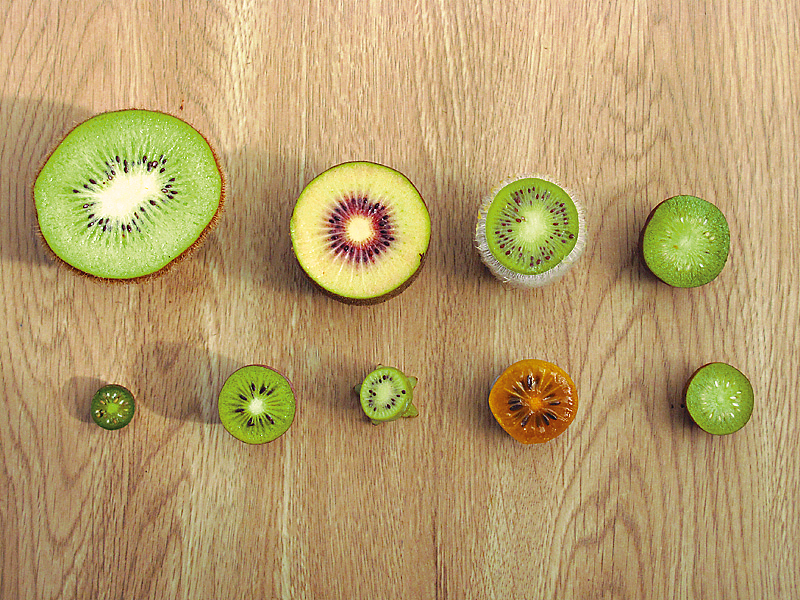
{"points": [[626, 103]]}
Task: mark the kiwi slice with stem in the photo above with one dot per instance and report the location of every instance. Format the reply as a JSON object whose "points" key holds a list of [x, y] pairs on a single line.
{"points": [[256, 404], [112, 406], [360, 231], [127, 193], [685, 241], [387, 394], [719, 398], [534, 401], [530, 231]]}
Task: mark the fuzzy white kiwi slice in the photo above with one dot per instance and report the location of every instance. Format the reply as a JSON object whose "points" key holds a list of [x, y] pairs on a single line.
{"points": [[360, 231], [530, 231], [126, 193]]}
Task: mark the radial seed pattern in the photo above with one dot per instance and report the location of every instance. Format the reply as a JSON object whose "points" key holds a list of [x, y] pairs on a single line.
{"points": [[534, 401], [360, 231], [530, 232], [385, 394], [126, 193], [719, 398], [256, 404]]}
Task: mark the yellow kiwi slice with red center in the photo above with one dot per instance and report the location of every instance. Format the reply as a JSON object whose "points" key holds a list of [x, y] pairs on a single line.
{"points": [[534, 401], [360, 231]]}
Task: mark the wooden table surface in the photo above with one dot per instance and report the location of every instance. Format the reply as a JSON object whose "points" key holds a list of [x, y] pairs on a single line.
{"points": [[627, 102]]}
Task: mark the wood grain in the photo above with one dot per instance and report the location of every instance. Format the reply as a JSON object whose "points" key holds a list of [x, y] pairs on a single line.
{"points": [[625, 102]]}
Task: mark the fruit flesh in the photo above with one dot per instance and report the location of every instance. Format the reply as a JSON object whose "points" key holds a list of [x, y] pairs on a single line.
{"points": [[719, 398], [534, 401], [126, 193], [685, 242], [112, 407], [256, 404], [360, 231], [530, 232], [387, 394]]}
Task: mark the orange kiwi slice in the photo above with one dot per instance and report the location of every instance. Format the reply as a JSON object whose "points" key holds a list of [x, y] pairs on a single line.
{"points": [[534, 401]]}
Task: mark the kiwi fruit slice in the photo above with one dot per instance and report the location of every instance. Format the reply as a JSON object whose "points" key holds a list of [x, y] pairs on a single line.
{"points": [[534, 401], [530, 231], [126, 193], [256, 404], [685, 241], [719, 398], [387, 394], [360, 231], [112, 406]]}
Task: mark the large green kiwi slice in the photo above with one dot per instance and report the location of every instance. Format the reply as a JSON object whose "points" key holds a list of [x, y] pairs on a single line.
{"points": [[530, 231], [387, 394], [360, 231], [256, 404], [719, 398], [126, 193], [685, 241]]}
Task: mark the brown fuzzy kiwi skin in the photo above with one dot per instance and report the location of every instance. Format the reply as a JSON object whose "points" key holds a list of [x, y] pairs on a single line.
{"points": [[156, 274], [641, 241], [392, 293]]}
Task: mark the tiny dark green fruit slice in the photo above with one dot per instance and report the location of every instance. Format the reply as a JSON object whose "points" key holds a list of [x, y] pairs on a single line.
{"points": [[256, 404], [530, 231], [685, 241], [112, 406], [126, 193], [719, 398], [387, 394]]}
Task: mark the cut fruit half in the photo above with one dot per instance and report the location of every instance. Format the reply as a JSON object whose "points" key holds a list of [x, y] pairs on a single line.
{"points": [[387, 394], [530, 231], [113, 406], [719, 398], [360, 231], [685, 241], [256, 404], [534, 401], [126, 193]]}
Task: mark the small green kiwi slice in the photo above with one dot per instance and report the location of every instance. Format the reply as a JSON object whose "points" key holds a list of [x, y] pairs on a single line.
{"points": [[530, 231], [112, 406], [256, 404], [360, 231], [126, 193], [685, 241], [387, 394], [719, 398]]}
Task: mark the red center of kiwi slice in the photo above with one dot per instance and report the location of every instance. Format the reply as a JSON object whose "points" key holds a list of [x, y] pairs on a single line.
{"points": [[534, 401], [360, 231]]}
